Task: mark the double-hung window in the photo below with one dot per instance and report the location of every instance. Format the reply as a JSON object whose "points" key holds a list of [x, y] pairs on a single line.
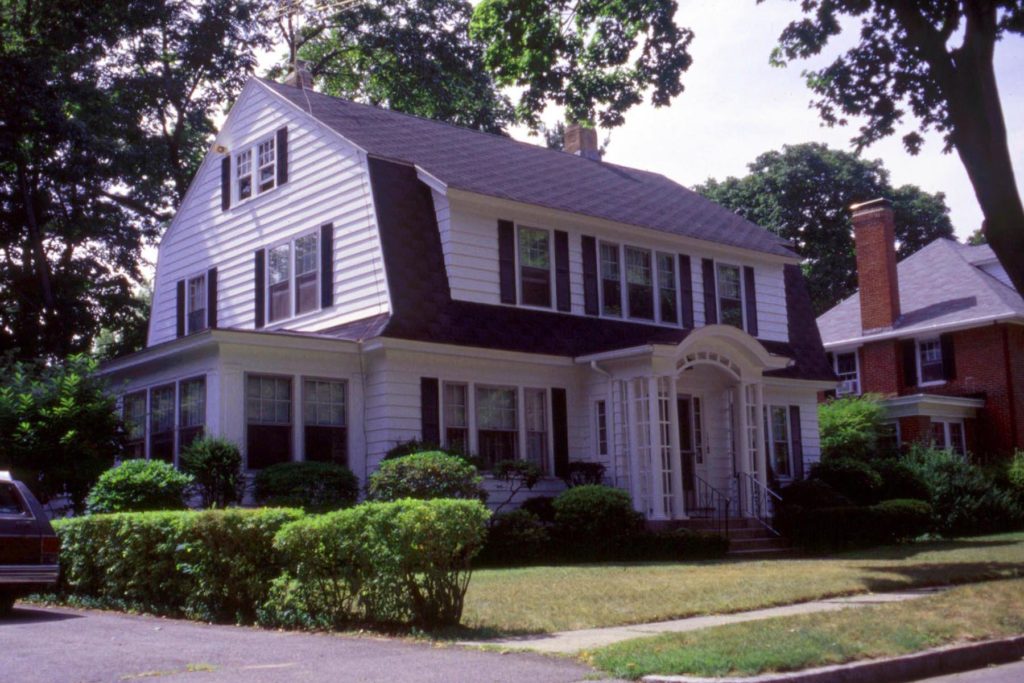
{"points": [[191, 410], [730, 295], [778, 441], [668, 290], [611, 281], [456, 417], [196, 305], [293, 267], [279, 282], [845, 366], [265, 156], [325, 422], [306, 274], [134, 415], [534, 267], [929, 362], [949, 435], [497, 422], [268, 412], [536, 427], [639, 283], [243, 175], [161, 423], [255, 169]]}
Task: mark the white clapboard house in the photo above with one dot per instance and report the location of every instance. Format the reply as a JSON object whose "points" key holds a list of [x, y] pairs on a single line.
{"points": [[341, 278]]}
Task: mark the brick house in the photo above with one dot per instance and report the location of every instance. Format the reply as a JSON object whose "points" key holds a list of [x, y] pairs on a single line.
{"points": [[940, 335]]}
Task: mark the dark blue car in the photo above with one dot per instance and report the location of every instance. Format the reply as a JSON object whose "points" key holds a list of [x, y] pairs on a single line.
{"points": [[29, 548]]}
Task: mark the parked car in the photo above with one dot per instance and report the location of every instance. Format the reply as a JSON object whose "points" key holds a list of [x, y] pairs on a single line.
{"points": [[29, 548]]}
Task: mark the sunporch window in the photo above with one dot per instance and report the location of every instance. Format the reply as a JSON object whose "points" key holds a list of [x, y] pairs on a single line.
{"points": [[949, 435], [497, 424], [134, 415], [191, 411], [324, 419], [268, 408], [161, 423], [534, 267]]}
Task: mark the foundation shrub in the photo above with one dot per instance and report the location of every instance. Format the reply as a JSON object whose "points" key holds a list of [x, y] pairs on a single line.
{"points": [[595, 522], [675, 545], [542, 506], [139, 486], [515, 538], [812, 494], [215, 465], [854, 479], [838, 528], [312, 486], [432, 474]]}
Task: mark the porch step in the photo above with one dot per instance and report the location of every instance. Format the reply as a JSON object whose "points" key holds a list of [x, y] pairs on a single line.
{"points": [[763, 545]]}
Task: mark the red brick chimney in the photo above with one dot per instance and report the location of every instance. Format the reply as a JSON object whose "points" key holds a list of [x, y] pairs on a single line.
{"points": [[582, 141], [874, 233]]}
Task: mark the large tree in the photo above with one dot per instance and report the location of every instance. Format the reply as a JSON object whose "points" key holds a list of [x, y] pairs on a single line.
{"points": [[803, 194], [933, 58]]}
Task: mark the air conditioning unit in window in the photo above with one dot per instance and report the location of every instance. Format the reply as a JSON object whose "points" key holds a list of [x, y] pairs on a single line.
{"points": [[847, 387]]}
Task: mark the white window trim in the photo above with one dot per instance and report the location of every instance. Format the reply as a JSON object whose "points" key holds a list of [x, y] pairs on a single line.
{"points": [[551, 270], [299, 410], [621, 247], [295, 414], [917, 361], [948, 436], [188, 300], [718, 293], [254, 163], [856, 361], [771, 440], [292, 274]]}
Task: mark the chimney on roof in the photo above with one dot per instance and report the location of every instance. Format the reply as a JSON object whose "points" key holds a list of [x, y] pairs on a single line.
{"points": [[874, 235], [582, 142], [300, 76]]}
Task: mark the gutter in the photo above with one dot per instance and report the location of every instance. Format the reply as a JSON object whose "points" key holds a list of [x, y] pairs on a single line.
{"points": [[917, 331]]}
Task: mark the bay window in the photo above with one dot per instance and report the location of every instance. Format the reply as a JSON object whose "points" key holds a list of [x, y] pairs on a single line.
{"points": [[497, 424], [161, 423], [536, 427], [191, 411], [949, 435], [268, 410], [534, 267], [324, 419], [639, 283], [611, 281], [730, 295], [456, 417]]}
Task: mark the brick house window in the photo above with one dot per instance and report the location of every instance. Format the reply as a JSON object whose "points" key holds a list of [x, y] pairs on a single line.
{"points": [[847, 369], [949, 435], [929, 362]]}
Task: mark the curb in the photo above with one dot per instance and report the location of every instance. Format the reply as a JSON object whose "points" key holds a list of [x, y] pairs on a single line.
{"points": [[938, 662]]}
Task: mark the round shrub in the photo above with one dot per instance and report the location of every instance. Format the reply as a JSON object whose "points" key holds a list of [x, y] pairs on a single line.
{"points": [[312, 486], [215, 465], [854, 479], [902, 520], [542, 506], [432, 474], [514, 538], [812, 494], [899, 480], [595, 521], [139, 486]]}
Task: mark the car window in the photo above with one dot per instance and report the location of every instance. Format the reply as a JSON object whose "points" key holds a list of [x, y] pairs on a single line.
{"points": [[10, 501]]}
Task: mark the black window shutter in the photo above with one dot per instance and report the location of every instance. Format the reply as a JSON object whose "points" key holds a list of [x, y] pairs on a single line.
{"points": [[211, 297], [260, 282], [225, 183], [589, 245], [798, 444], [326, 265], [180, 316], [909, 349], [563, 298], [282, 156], [560, 431], [948, 357], [686, 290], [710, 293], [430, 410], [751, 296], [507, 261]]}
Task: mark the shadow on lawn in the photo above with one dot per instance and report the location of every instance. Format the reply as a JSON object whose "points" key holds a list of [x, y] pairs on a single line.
{"points": [[909, 550], [894, 578]]}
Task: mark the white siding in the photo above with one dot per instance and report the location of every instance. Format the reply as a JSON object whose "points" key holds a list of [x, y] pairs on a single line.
{"points": [[327, 182], [770, 288]]}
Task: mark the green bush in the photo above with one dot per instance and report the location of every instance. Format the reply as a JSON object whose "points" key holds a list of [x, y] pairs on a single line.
{"points": [[1015, 472], [215, 465], [542, 506], [432, 474], [851, 427], [313, 486], [139, 486], [413, 446], [594, 521], [580, 473], [894, 521], [515, 538], [900, 480], [854, 479], [901, 520], [403, 561], [215, 565], [674, 545], [812, 494]]}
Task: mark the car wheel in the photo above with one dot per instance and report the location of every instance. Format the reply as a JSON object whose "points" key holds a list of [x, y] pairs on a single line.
{"points": [[6, 604]]}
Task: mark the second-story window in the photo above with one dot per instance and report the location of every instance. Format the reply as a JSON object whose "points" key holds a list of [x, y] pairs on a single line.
{"points": [[534, 267], [639, 283], [846, 369], [611, 281], [668, 296], [265, 155], [279, 282], [306, 268], [196, 306], [730, 295], [293, 267], [929, 361]]}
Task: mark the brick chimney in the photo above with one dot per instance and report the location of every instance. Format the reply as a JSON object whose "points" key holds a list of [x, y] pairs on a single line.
{"points": [[874, 234], [582, 142], [300, 76]]}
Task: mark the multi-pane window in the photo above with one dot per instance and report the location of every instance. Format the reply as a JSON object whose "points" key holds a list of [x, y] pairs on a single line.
{"points": [[668, 295], [846, 369], [279, 282], [265, 165], [730, 296], [601, 419], [456, 417], [243, 174], [497, 424], [191, 411], [534, 267], [268, 408], [196, 306], [639, 283], [611, 281], [306, 270], [929, 355], [161, 423], [949, 434], [325, 424], [134, 415], [778, 441], [536, 427]]}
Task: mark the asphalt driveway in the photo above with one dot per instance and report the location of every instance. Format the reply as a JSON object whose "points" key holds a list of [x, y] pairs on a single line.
{"points": [[46, 645]]}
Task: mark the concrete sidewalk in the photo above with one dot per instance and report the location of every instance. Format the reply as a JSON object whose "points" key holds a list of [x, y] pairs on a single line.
{"points": [[571, 642]]}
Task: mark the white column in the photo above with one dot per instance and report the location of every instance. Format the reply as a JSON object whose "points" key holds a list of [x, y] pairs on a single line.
{"points": [[743, 446], [655, 469], [762, 455], [679, 500], [633, 454]]}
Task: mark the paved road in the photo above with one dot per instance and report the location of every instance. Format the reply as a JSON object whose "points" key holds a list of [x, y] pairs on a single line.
{"points": [[47, 645], [1008, 673]]}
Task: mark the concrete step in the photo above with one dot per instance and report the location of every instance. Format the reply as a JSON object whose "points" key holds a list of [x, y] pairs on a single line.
{"points": [[753, 545]]}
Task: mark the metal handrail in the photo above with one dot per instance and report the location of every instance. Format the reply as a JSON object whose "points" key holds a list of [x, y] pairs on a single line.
{"points": [[711, 500], [762, 501]]}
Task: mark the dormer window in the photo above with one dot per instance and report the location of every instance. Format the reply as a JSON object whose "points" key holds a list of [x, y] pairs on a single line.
{"points": [[265, 158], [534, 267], [196, 305], [259, 177]]}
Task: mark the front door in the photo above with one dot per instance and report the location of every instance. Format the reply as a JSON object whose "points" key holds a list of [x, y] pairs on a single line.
{"points": [[686, 448]]}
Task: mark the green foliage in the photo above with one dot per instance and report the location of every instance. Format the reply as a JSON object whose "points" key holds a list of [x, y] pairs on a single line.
{"points": [[59, 428], [212, 565], [313, 486], [595, 521], [851, 427], [139, 486], [432, 474], [812, 494], [900, 480], [903, 519], [835, 528], [803, 194], [215, 465], [515, 538], [854, 479], [597, 59], [542, 506], [403, 561], [516, 475], [675, 545], [1015, 472]]}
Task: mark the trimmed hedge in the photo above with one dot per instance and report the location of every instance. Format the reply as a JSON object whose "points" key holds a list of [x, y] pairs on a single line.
{"points": [[432, 474], [856, 480], [214, 565], [139, 486], [312, 486], [835, 528]]}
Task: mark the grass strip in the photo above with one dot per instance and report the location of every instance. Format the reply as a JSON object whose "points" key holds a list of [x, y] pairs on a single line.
{"points": [[964, 614], [546, 599]]}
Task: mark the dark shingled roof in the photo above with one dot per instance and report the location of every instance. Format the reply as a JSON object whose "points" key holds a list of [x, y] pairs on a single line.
{"points": [[501, 167]]}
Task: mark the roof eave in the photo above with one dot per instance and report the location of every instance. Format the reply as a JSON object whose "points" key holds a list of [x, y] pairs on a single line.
{"points": [[918, 330]]}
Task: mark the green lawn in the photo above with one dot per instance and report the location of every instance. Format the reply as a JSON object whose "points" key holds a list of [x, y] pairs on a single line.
{"points": [[969, 613], [544, 599]]}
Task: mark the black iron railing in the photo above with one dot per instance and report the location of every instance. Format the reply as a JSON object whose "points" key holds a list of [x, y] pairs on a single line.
{"points": [[710, 503], [757, 500]]}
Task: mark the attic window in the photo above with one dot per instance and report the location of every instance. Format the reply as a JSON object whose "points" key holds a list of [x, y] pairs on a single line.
{"points": [[250, 180]]}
